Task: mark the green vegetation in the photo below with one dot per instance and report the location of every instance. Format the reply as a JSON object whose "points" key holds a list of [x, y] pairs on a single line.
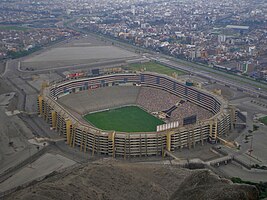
{"points": [[196, 65], [262, 187], [264, 120], [16, 28], [125, 119], [18, 54], [204, 67], [154, 67], [238, 78], [22, 53]]}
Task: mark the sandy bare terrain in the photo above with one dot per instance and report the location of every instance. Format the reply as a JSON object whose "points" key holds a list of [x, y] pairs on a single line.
{"points": [[4, 87], [41, 167], [227, 92], [2, 67], [81, 53], [135, 181]]}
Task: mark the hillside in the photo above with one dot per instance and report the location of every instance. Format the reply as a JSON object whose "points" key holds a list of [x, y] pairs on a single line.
{"points": [[115, 180]]}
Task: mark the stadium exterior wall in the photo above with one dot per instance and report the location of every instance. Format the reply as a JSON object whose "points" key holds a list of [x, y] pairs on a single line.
{"points": [[113, 143]]}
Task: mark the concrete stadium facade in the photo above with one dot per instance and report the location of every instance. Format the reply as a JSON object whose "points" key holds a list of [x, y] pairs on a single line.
{"points": [[96, 141]]}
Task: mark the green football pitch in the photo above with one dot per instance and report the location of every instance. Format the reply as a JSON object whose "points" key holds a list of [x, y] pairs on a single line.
{"points": [[125, 119], [264, 120]]}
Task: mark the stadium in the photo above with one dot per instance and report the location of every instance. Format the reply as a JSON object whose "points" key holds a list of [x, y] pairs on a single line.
{"points": [[134, 114]]}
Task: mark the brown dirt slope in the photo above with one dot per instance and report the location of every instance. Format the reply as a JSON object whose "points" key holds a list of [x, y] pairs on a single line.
{"points": [[131, 181], [203, 185]]}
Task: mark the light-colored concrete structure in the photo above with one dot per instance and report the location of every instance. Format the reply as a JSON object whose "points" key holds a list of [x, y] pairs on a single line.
{"points": [[91, 139]]}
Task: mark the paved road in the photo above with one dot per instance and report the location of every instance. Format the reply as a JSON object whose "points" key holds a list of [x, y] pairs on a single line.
{"points": [[16, 76], [230, 80], [240, 83], [232, 170], [203, 71]]}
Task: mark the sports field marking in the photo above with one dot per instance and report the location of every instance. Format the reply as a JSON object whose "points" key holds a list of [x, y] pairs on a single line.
{"points": [[125, 119]]}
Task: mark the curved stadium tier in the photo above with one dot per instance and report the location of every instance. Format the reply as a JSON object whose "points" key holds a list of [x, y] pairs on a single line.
{"points": [[121, 114]]}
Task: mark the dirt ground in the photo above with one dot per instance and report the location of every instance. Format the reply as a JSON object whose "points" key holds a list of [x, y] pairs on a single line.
{"points": [[75, 52], [2, 66], [116, 180], [227, 92], [4, 87]]}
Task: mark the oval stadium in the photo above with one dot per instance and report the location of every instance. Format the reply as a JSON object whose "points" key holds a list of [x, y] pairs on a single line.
{"points": [[134, 114]]}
